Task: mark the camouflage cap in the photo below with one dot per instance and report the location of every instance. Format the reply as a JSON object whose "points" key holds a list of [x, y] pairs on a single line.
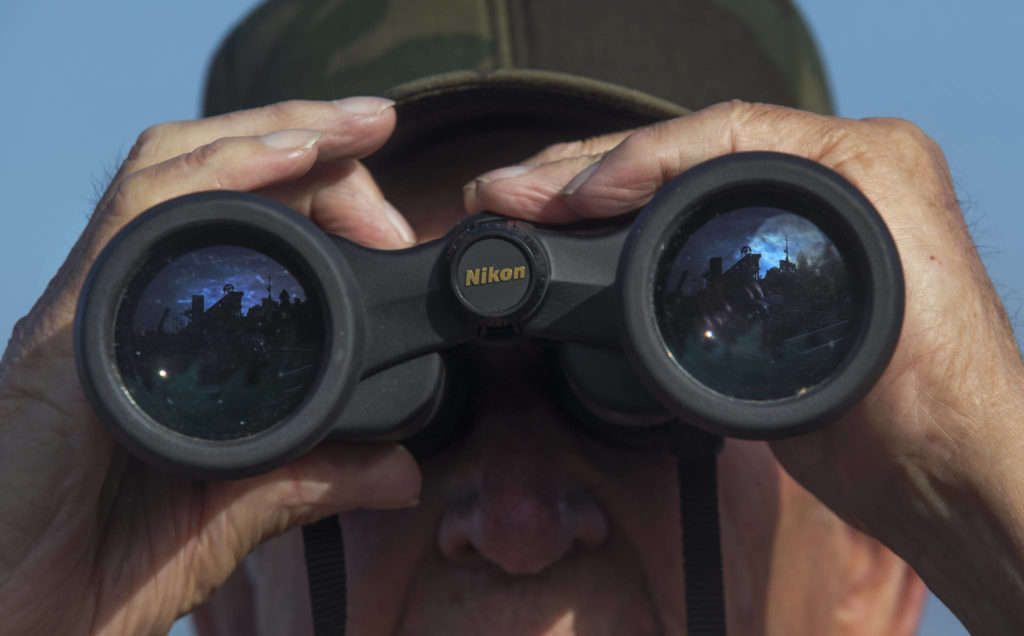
{"points": [[563, 62]]}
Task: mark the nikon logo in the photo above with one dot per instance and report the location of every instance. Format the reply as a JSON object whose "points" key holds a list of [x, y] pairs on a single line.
{"points": [[488, 275]]}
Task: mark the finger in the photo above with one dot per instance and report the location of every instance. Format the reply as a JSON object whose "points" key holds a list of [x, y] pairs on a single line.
{"points": [[584, 147], [631, 173], [499, 191], [343, 198], [628, 175], [351, 128], [527, 192], [232, 163], [330, 479], [333, 478]]}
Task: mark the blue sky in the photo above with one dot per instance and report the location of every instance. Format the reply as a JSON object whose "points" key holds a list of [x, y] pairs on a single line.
{"points": [[81, 80]]}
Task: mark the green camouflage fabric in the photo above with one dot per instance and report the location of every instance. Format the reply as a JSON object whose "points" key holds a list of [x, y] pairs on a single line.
{"points": [[689, 52]]}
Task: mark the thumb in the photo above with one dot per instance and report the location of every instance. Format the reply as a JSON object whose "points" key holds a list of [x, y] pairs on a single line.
{"points": [[332, 478]]}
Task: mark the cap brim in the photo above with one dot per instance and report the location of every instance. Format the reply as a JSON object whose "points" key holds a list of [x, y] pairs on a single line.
{"points": [[469, 102]]}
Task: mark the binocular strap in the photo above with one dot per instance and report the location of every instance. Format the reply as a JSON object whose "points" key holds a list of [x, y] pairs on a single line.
{"points": [[702, 554], [325, 569]]}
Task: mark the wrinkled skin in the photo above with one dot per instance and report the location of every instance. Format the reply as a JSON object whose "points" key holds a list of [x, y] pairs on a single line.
{"points": [[91, 541], [927, 461], [94, 542]]}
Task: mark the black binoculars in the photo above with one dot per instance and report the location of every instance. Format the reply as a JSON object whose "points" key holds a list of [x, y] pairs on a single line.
{"points": [[221, 334]]}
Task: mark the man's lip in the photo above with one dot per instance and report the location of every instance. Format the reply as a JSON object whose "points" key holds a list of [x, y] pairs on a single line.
{"points": [[480, 599]]}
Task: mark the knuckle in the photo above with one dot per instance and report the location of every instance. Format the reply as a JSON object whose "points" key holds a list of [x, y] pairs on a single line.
{"points": [[642, 138], [559, 151], [736, 107], [149, 142], [519, 196], [588, 147], [203, 156], [838, 138], [567, 149], [126, 191], [644, 143], [917, 152], [740, 112], [136, 186], [744, 117], [288, 109], [287, 114], [904, 135], [729, 110]]}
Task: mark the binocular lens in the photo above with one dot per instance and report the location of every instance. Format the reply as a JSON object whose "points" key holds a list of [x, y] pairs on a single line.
{"points": [[219, 342], [755, 303]]}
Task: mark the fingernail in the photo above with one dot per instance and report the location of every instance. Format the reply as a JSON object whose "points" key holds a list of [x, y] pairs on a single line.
{"points": [[293, 139], [575, 183], [400, 224], [364, 106], [502, 173]]}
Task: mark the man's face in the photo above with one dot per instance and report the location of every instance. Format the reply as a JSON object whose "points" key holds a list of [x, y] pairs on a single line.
{"points": [[528, 525]]}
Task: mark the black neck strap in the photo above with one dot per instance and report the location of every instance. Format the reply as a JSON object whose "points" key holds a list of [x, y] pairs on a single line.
{"points": [[696, 452], [325, 568]]}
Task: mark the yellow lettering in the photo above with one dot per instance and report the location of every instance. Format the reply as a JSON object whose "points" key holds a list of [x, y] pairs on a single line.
{"points": [[487, 275]]}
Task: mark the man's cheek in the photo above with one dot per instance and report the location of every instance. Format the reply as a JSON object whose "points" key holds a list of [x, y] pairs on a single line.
{"points": [[383, 552]]}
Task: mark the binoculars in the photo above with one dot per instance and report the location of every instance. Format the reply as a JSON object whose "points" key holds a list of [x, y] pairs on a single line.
{"points": [[221, 334]]}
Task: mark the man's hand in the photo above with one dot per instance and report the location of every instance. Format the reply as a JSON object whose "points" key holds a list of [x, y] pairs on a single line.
{"points": [[930, 461], [91, 540]]}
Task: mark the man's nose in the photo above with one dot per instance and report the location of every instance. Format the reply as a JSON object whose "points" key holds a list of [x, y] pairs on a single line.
{"points": [[524, 512]]}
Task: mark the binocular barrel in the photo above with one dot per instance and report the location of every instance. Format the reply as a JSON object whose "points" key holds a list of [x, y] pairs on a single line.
{"points": [[221, 334]]}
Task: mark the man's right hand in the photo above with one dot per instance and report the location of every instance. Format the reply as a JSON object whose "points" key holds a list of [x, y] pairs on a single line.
{"points": [[92, 540]]}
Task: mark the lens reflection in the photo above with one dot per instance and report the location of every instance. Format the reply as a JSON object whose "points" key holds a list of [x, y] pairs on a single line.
{"points": [[219, 342], [755, 303]]}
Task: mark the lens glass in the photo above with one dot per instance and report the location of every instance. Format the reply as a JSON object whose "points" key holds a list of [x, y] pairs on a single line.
{"points": [[755, 302], [219, 342]]}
